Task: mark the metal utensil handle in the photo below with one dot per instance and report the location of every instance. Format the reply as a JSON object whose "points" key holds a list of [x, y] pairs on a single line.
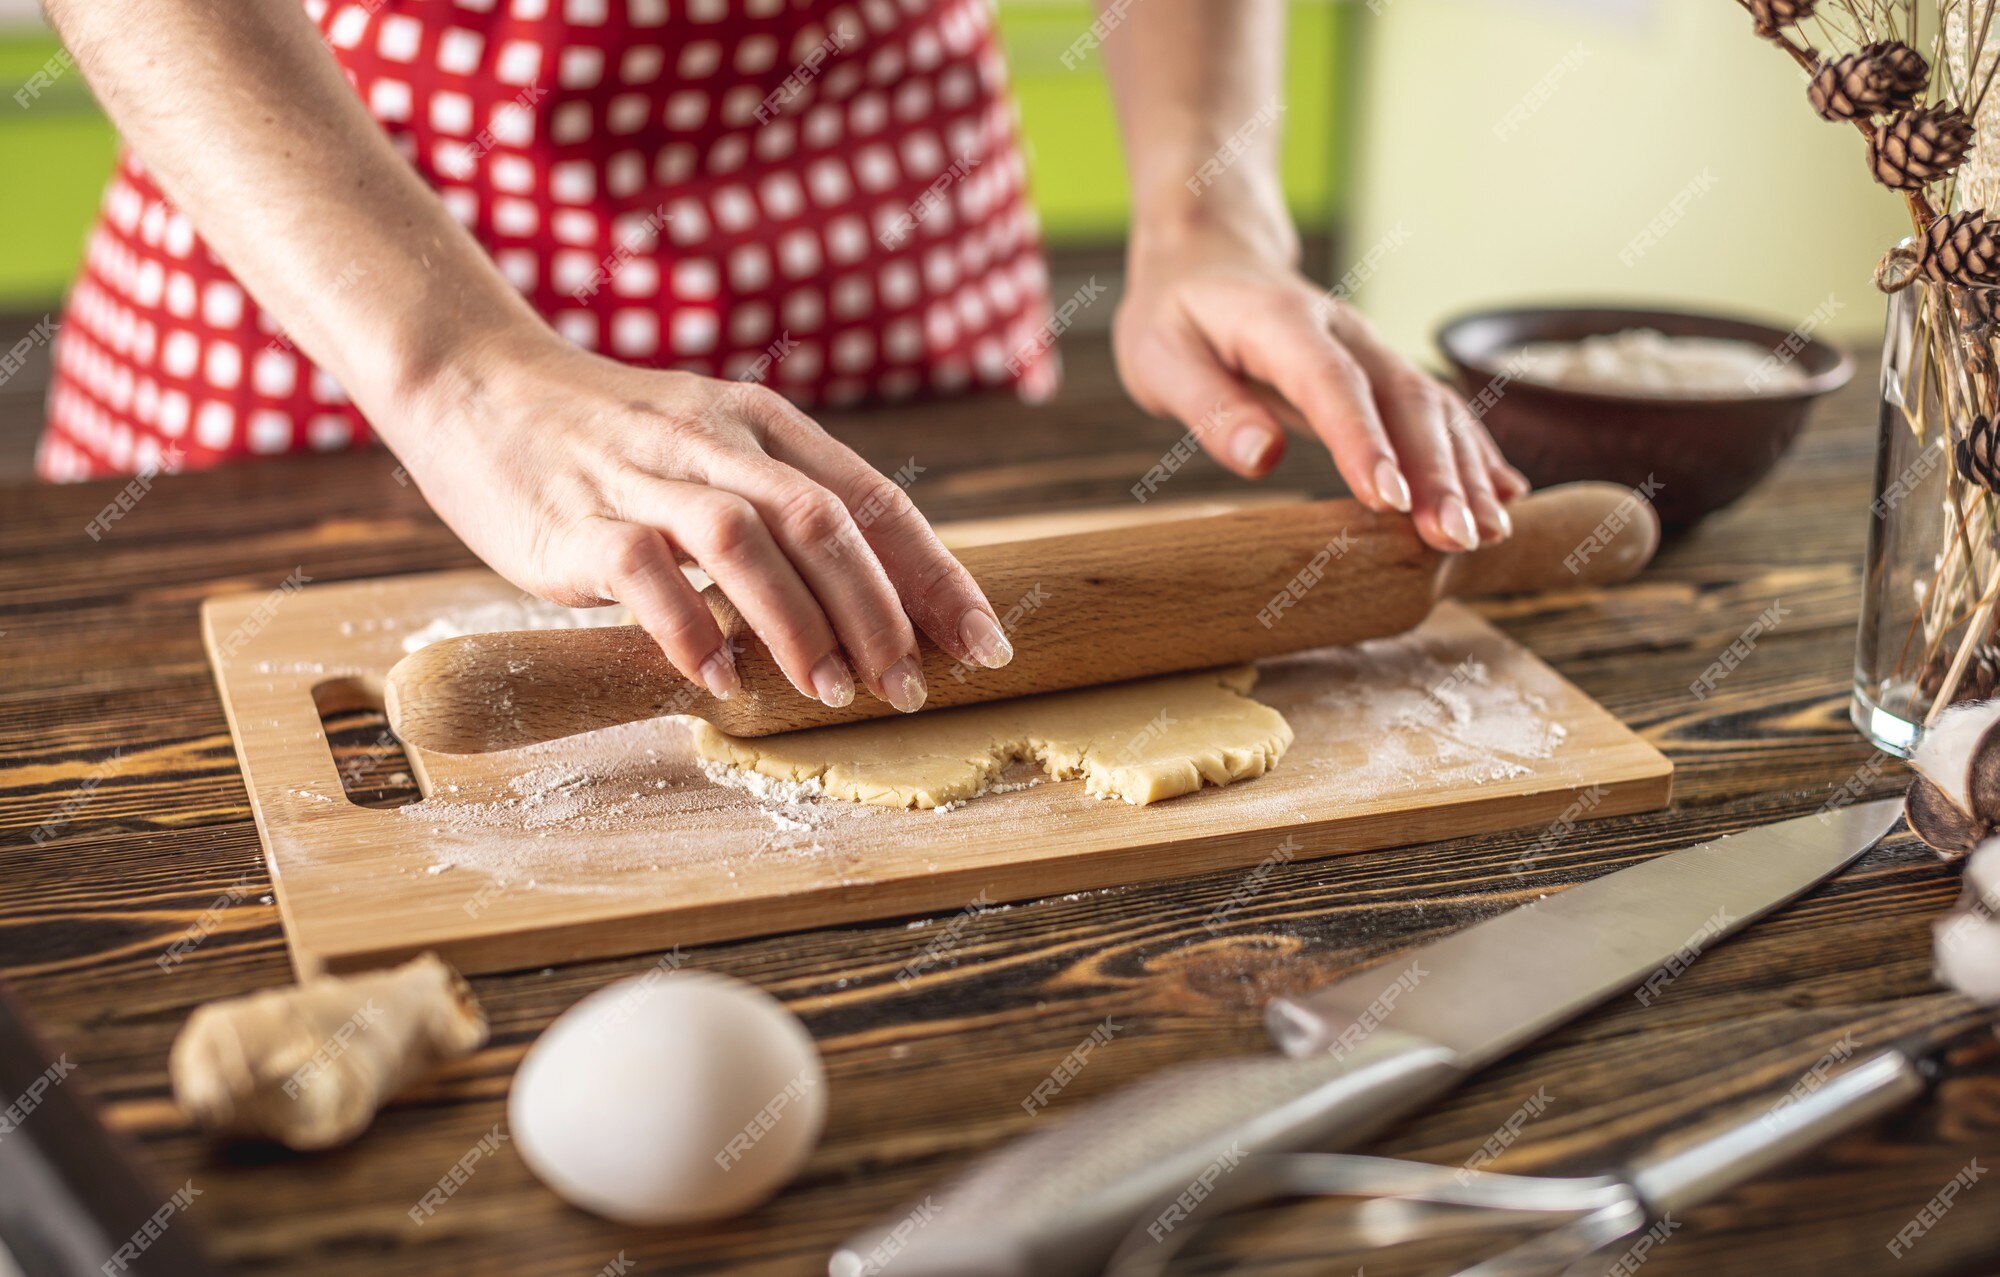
{"points": [[1740, 1148], [1058, 1202]]}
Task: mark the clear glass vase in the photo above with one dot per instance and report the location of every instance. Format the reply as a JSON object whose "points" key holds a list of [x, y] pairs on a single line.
{"points": [[1932, 575]]}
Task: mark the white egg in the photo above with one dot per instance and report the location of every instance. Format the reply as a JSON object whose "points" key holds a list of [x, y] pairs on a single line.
{"points": [[669, 1097]]}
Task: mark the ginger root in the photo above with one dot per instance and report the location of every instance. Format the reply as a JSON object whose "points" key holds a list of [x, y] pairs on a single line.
{"points": [[310, 1064]]}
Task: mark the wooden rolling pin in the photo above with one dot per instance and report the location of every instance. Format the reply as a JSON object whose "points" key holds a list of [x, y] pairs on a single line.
{"points": [[1091, 607]]}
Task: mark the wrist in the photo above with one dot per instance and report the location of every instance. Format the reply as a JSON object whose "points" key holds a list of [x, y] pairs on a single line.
{"points": [[1248, 223], [435, 383]]}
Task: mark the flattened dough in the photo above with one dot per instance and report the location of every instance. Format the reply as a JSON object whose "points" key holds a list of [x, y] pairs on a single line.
{"points": [[1140, 741]]}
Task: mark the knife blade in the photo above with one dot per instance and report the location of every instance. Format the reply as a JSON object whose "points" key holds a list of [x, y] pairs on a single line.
{"points": [[1363, 1051], [1505, 981]]}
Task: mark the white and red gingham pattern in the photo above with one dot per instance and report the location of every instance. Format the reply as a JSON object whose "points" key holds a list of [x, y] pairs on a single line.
{"points": [[828, 194]]}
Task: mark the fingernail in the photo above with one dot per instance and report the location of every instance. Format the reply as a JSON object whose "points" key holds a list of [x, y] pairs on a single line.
{"points": [[719, 673], [1250, 447], [833, 681], [1457, 523], [1391, 486], [988, 641], [904, 685], [1505, 520]]}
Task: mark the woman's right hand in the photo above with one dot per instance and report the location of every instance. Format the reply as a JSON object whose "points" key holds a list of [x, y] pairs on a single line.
{"points": [[586, 481], [578, 478]]}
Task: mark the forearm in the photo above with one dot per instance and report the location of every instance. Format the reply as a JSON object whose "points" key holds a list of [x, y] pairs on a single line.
{"points": [[1198, 88], [244, 119], [577, 477]]}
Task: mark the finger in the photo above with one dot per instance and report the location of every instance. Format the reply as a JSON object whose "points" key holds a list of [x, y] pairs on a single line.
{"points": [[633, 565], [723, 533], [1509, 482], [933, 587], [1414, 407], [1294, 353], [1489, 513], [1185, 379], [1443, 509], [815, 530]]}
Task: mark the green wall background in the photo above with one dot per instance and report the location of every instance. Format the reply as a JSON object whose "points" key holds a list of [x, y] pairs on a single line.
{"points": [[57, 151], [1078, 170], [1665, 90]]}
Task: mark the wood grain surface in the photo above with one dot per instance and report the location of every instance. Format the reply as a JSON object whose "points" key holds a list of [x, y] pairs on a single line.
{"points": [[112, 742]]}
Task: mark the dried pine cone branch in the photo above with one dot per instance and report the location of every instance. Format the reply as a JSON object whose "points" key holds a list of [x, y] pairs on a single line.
{"points": [[1919, 147], [1963, 248], [1876, 79], [1773, 14], [1767, 14]]}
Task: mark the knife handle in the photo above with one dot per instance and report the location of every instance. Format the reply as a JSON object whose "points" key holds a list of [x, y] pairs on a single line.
{"points": [[1059, 1201], [1740, 1147]]}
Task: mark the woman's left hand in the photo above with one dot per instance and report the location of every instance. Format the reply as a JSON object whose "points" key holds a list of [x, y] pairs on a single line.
{"points": [[1206, 313]]}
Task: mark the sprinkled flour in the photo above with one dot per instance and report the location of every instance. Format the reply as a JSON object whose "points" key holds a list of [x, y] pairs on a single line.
{"points": [[644, 803], [1430, 713], [524, 613], [795, 806]]}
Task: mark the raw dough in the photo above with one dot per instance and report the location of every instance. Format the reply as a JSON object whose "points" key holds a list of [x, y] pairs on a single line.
{"points": [[1140, 741]]}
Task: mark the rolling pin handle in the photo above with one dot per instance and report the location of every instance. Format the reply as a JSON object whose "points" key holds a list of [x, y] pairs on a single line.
{"points": [[1577, 534], [482, 692]]}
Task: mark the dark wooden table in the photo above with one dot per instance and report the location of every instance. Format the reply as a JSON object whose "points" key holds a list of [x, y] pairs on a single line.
{"points": [[99, 660]]}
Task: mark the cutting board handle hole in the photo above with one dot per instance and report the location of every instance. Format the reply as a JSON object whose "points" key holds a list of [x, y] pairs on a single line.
{"points": [[374, 770]]}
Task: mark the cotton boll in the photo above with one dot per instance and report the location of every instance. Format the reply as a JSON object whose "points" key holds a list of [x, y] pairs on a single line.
{"points": [[1954, 803], [1944, 753], [669, 1097], [1967, 953], [1982, 876]]}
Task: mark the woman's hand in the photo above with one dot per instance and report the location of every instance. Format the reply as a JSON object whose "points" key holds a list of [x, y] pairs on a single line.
{"points": [[1205, 312], [586, 481], [577, 478]]}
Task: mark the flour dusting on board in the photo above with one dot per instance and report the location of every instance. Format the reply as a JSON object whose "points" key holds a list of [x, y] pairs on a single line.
{"points": [[582, 814], [793, 806], [1429, 712], [562, 785], [524, 613]]}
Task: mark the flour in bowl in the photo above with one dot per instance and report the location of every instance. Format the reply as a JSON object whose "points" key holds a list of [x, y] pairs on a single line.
{"points": [[1647, 362]]}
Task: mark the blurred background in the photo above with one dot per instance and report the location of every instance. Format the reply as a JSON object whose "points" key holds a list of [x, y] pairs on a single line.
{"points": [[1490, 151]]}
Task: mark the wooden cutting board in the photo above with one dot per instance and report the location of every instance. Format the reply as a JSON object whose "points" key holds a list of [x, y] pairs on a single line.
{"points": [[617, 842]]}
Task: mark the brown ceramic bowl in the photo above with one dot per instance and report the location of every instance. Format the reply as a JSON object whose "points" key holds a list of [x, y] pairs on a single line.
{"points": [[1702, 452]]}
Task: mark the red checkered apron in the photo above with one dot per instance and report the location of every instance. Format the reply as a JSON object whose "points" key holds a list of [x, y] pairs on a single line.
{"points": [[825, 194]]}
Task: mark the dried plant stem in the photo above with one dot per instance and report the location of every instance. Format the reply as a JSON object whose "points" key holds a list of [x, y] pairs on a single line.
{"points": [[1921, 212], [1946, 373], [1936, 386], [1963, 657]]}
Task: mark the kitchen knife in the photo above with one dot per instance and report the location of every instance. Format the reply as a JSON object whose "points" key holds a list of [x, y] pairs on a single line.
{"points": [[1091, 607], [1364, 1051], [1403, 1201]]}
